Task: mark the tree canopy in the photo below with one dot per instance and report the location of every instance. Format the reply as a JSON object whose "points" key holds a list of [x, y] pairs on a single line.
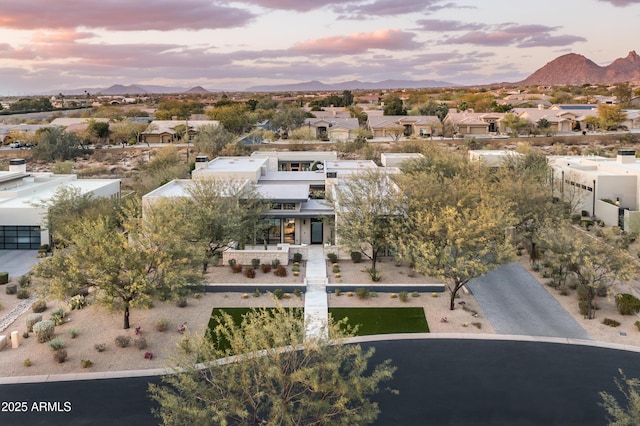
{"points": [[277, 376]]}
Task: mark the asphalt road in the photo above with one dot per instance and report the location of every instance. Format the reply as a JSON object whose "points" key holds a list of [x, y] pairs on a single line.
{"points": [[515, 303], [440, 382]]}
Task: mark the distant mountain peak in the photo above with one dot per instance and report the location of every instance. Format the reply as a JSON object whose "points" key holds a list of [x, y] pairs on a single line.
{"points": [[573, 68]]}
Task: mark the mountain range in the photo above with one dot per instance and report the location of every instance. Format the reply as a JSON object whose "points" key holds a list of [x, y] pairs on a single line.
{"points": [[571, 68], [577, 69]]}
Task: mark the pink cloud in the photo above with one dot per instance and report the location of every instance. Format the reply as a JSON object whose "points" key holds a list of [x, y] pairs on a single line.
{"points": [[9, 52], [621, 3], [358, 43], [518, 35], [62, 36], [121, 15], [297, 5]]}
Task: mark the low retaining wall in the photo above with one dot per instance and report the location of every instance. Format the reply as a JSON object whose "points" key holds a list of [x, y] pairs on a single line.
{"points": [[244, 257], [389, 288], [250, 288]]}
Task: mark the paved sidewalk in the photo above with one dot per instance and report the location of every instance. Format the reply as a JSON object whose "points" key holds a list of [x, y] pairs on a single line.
{"points": [[316, 305]]}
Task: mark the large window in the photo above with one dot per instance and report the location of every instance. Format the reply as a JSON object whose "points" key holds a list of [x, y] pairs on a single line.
{"points": [[19, 237]]}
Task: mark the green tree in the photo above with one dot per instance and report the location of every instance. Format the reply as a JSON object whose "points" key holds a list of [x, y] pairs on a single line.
{"points": [[454, 229], [610, 116], [98, 130], [596, 263], [440, 110], [393, 106], [629, 413], [126, 264], [514, 123], [234, 117], [288, 118], [180, 110], [56, 144], [623, 92], [217, 214], [127, 132], [366, 205], [277, 376], [210, 139]]}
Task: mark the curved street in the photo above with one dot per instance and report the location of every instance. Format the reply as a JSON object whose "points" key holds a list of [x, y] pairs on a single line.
{"points": [[440, 382]]}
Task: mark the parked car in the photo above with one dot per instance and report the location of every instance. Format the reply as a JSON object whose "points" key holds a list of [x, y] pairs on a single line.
{"points": [[15, 145]]}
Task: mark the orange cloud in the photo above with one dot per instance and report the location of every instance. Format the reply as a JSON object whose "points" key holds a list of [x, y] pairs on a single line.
{"points": [[356, 43]]}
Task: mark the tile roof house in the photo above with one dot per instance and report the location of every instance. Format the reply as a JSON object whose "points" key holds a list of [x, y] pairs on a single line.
{"points": [[385, 125], [167, 131], [334, 129], [474, 123]]}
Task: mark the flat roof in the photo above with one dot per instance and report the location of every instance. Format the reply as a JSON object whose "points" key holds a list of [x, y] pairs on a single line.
{"points": [[235, 164]]}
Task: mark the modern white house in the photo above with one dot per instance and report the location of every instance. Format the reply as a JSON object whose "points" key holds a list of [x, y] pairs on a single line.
{"points": [[295, 183], [606, 188], [22, 193]]}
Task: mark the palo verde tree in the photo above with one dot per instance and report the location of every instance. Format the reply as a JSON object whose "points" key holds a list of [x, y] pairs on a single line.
{"points": [[455, 226], [265, 371], [595, 262], [366, 205], [126, 263], [218, 214], [211, 139], [623, 413]]}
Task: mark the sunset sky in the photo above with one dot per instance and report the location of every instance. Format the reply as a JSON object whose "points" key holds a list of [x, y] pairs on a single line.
{"points": [[50, 45]]}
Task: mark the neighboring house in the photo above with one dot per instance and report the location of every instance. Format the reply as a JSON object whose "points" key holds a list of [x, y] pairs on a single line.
{"points": [[9, 131], [559, 121], [168, 131], [474, 123], [334, 129], [388, 125], [22, 220], [295, 183], [330, 112], [587, 181]]}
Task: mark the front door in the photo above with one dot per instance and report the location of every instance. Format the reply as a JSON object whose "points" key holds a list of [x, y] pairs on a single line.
{"points": [[316, 231]]}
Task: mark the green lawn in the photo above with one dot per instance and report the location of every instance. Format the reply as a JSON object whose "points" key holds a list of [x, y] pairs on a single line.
{"points": [[370, 320], [383, 320]]}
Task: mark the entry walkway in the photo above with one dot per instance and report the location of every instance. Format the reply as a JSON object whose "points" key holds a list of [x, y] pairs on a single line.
{"points": [[316, 306]]}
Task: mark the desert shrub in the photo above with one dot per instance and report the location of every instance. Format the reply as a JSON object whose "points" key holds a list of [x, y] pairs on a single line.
{"points": [[575, 218], [100, 347], [197, 296], [275, 263], [162, 325], [255, 263], [415, 294], [23, 293], [602, 291], [181, 302], [11, 289], [232, 262], [56, 344], [236, 268], [477, 325], [32, 319], [295, 268], [582, 292], [297, 292], [374, 275], [627, 304], [637, 324], [356, 257], [256, 293], [74, 333], [610, 322], [140, 342], [250, 273], [336, 269], [362, 292], [297, 257], [78, 302], [587, 223], [535, 267], [25, 335], [44, 330], [58, 316], [86, 363], [4, 277], [24, 280], [123, 341], [278, 293], [333, 258], [60, 356], [280, 271], [39, 306], [266, 268], [584, 213], [337, 291], [404, 296], [27, 362]]}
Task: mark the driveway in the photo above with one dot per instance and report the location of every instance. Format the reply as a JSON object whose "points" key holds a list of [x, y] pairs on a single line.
{"points": [[515, 303], [17, 262]]}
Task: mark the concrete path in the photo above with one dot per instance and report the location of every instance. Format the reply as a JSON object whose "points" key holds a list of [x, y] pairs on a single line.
{"points": [[17, 262], [316, 305], [515, 303]]}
